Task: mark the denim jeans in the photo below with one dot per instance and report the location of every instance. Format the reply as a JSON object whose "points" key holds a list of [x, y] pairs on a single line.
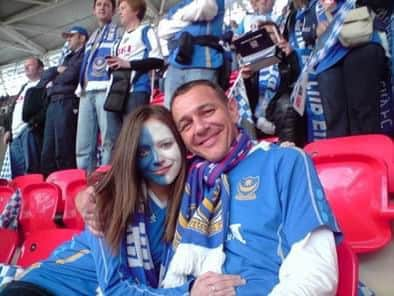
{"points": [[58, 151], [92, 118], [25, 150], [176, 77]]}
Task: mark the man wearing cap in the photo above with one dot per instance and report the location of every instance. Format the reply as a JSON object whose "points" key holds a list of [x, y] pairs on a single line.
{"points": [[61, 118]]}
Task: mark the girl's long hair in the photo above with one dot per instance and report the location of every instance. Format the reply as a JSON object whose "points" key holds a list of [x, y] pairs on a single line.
{"points": [[119, 192]]}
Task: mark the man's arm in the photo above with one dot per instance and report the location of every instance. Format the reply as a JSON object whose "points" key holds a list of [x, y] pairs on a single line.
{"points": [[310, 268], [197, 10]]}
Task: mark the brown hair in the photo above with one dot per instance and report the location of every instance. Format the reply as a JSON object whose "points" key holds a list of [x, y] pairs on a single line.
{"points": [[119, 192], [136, 5], [113, 2], [184, 88]]}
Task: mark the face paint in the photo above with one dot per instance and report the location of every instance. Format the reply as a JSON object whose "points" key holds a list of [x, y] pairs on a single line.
{"points": [[159, 156]]}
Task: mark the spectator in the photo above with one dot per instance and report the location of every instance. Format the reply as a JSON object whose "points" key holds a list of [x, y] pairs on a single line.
{"points": [[92, 118], [137, 50], [192, 30], [62, 113], [349, 81], [268, 223], [25, 143]]}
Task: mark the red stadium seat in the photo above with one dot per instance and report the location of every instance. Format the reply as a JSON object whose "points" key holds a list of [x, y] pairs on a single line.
{"points": [[62, 179], [5, 195], [39, 245], [377, 146], [4, 182], [348, 271], [157, 98], [71, 216], [39, 205], [9, 240], [356, 189], [22, 181]]}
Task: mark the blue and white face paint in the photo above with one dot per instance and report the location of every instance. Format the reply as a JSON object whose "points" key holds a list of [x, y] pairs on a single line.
{"points": [[159, 156]]}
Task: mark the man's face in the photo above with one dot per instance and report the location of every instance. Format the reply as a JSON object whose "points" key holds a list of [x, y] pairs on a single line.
{"points": [[103, 10], [32, 69], [264, 6], [205, 122], [75, 41]]}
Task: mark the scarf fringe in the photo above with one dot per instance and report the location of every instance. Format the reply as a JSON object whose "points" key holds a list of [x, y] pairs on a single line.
{"points": [[191, 259]]}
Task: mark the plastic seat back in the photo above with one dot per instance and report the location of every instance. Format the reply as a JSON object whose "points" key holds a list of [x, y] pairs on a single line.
{"points": [[62, 179], [348, 271], [71, 216], [5, 195], [39, 245], [376, 146], [22, 181], [356, 189], [9, 240], [39, 205]]}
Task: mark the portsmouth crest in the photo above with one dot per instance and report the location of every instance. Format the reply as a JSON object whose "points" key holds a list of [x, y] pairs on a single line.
{"points": [[247, 187], [99, 67]]}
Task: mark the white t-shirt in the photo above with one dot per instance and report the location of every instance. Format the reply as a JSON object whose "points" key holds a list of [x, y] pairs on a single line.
{"points": [[18, 125]]}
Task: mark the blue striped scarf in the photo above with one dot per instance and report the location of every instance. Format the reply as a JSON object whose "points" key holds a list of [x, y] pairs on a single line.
{"points": [[94, 65], [137, 250], [203, 219]]}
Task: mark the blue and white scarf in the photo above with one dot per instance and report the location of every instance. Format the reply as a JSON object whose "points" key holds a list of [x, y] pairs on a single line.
{"points": [[269, 82], [306, 94], [99, 45], [137, 251], [203, 219], [9, 215]]}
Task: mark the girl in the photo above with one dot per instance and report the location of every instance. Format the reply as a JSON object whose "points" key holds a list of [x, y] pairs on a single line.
{"points": [[146, 179]]}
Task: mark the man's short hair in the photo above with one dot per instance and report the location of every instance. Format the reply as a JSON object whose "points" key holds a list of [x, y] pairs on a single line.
{"points": [[136, 5], [112, 1], [40, 64], [184, 88]]}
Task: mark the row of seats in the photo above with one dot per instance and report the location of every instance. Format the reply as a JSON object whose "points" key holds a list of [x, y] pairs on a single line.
{"points": [[34, 247]]}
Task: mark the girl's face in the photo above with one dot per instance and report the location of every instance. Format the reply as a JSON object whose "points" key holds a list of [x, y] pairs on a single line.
{"points": [[126, 14], [159, 156]]}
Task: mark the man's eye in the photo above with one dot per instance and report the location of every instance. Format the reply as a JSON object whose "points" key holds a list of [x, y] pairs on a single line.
{"points": [[208, 112], [184, 126]]}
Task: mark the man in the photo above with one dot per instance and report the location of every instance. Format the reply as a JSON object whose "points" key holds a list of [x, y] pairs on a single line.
{"points": [[58, 151], [25, 144], [269, 201], [192, 29], [94, 80]]}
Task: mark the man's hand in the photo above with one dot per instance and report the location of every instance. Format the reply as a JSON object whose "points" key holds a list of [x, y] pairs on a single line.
{"points": [[117, 63], [6, 137], [61, 69], [215, 284], [85, 202], [284, 45]]}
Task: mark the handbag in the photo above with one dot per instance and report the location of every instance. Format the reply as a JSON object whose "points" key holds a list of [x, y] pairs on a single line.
{"points": [[118, 91], [357, 27]]}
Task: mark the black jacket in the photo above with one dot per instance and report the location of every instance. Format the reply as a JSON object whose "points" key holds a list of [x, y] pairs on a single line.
{"points": [[64, 84]]}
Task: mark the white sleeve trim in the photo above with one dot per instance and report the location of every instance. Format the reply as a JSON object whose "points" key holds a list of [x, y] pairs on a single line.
{"points": [[197, 10], [310, 268]]}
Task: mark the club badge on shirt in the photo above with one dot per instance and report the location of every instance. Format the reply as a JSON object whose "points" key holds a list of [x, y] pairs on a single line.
{"points": [[247, 187]]}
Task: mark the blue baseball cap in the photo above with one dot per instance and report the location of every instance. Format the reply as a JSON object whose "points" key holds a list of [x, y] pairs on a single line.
{"points": [[74, 30]]}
